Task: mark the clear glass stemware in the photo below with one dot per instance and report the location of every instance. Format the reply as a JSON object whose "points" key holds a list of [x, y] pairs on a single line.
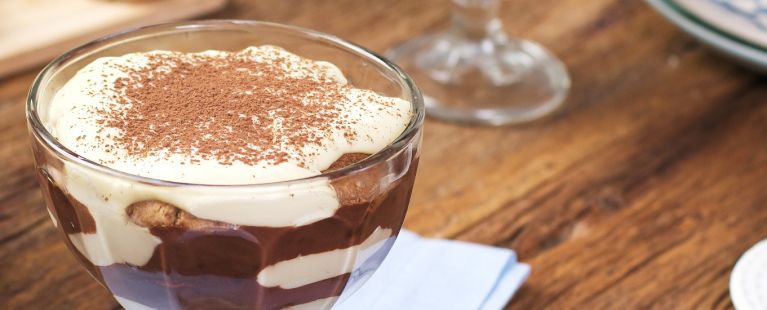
{"points": [[473, 72]]}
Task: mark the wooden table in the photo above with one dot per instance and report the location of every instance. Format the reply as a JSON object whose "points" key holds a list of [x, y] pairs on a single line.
{"points": [[642, 193]]}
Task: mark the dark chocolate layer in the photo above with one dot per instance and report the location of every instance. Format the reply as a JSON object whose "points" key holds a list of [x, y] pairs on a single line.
{"points": [[73, 216], [172, 291]]}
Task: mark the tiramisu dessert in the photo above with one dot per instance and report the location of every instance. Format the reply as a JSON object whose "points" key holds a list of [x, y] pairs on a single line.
{"points": [[219, 191]]}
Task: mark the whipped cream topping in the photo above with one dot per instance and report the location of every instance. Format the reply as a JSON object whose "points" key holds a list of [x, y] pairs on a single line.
{"points": [[255, 116]]}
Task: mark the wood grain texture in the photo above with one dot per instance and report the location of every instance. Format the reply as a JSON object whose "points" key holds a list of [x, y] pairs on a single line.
{"points": [[33, 32], [641, 193]]}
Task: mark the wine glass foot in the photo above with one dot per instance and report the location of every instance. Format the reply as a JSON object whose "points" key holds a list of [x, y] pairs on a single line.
{"points": [[488, 79]]}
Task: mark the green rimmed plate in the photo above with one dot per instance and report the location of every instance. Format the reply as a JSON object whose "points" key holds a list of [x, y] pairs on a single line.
{"points": [[744, 52]]}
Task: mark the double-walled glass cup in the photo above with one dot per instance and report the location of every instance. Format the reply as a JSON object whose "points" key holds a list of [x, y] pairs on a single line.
{"points": [[204, 263]]}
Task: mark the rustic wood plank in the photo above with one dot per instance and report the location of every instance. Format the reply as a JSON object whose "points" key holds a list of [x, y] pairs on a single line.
{"points": [[641, 193], [682, 241], [39, 30]]}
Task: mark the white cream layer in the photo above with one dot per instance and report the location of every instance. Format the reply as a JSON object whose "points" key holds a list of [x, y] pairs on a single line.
{"points": [[312, 268], [117, 240]]}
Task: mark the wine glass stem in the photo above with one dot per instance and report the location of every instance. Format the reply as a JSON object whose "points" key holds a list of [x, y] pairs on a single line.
{"points": [[476, 19]]}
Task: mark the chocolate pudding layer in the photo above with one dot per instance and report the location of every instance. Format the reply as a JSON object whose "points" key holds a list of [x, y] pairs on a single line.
{"points": [[238, 213]]}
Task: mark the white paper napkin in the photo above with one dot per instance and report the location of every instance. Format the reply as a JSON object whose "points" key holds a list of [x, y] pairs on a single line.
{"points": [[422, 273]]}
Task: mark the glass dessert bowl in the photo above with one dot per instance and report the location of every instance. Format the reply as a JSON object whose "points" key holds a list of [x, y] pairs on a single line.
{"points": [[156, 244]]}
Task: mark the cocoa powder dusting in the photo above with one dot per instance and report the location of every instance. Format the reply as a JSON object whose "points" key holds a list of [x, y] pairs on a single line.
{"points": [[226, 107]]}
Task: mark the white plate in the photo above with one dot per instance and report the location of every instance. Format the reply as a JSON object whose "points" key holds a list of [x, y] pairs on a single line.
{"points": [[748, 281], [744, 19], [752, 56]]}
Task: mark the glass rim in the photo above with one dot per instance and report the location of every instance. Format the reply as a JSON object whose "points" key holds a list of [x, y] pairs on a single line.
{"points": [[41, 132]]}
